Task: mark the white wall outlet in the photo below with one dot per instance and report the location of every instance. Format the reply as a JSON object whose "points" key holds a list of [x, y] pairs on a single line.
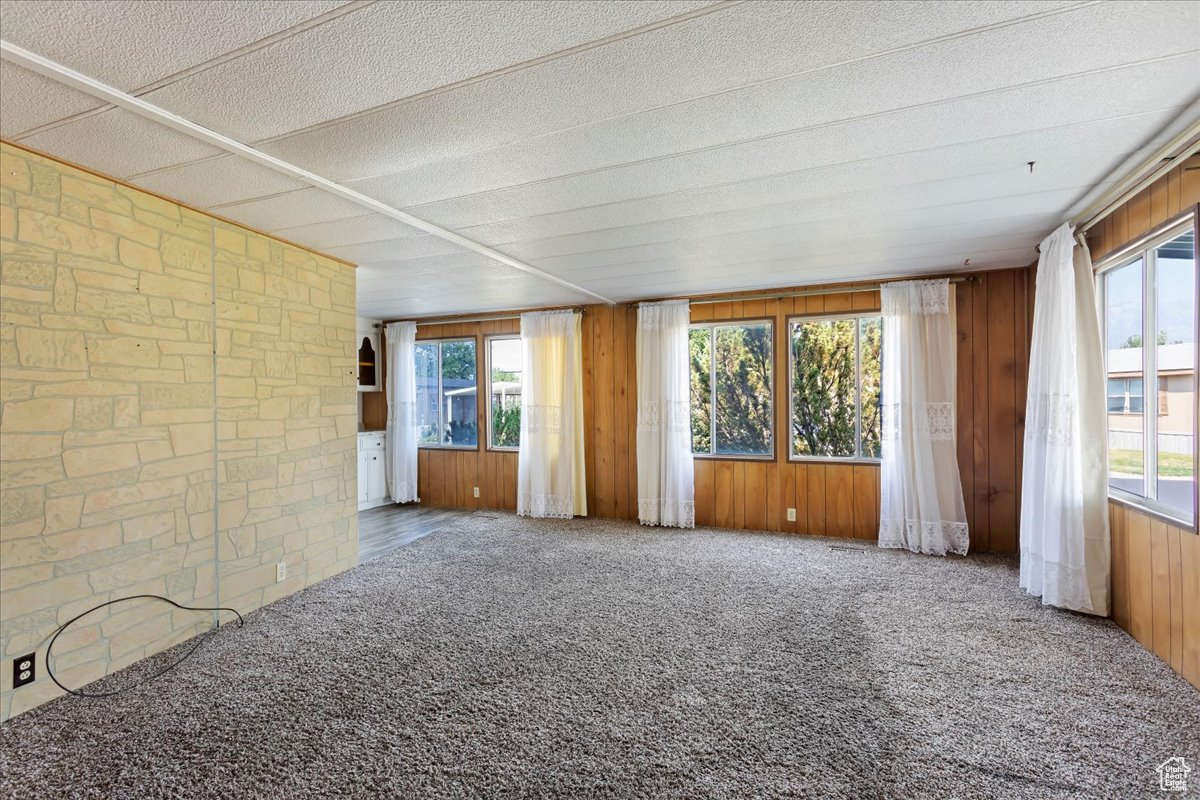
{"points": [[791, 515], [477, 491], [281, 571]]}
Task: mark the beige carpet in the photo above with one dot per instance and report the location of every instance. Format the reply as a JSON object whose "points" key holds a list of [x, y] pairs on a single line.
{"points": [[501, 657]]}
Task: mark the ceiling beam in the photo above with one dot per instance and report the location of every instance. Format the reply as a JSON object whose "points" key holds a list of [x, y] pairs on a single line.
{"points": [[77, 80]]}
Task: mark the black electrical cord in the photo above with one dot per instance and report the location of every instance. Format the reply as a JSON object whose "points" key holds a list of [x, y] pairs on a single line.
{"points": [[184, 657]]}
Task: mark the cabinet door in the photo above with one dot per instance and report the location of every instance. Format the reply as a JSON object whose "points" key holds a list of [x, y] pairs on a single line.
{"points": [[377, 476], [364, 458]]}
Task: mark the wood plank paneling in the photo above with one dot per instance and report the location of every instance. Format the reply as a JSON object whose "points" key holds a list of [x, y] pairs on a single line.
{"points": [[830, 499], [1155, 565]]}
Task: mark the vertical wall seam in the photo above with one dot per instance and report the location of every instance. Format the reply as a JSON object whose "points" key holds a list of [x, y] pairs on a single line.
{"points": [[212, 243]]}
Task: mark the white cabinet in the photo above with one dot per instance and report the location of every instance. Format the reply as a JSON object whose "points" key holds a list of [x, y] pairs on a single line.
{"points": [[370, 356], [372, 472]]}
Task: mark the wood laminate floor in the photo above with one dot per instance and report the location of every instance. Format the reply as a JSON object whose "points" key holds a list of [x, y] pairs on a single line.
{"points": [[381, 530]]}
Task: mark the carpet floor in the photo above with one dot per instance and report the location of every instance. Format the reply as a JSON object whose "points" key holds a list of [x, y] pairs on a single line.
{"points": [[502, 657]]}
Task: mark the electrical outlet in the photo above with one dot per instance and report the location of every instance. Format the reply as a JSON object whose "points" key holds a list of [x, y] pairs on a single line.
{"points": [[791, 515], [24, 669], [281, 571], [477, 491]]}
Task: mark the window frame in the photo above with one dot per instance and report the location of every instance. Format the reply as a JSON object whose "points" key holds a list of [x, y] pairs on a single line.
{"points": [[1143, 248], [439, 342], [712, 325], [857, 316], [487, 346]]}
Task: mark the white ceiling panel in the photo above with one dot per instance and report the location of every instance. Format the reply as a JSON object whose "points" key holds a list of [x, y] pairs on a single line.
{"points": [[360, 230], [218, 181], [119, 143], [394, 250], [807, 237], [713, 53], [389, 51], [303, 207], [746, 276], [630, 148], [30, 100], [1158, 85], [1060, 154], [131, 43], [467, 283], [790, 214]]}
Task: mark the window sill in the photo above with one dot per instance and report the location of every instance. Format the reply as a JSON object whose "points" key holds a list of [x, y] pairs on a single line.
{"points": [[503, 449], [868, 462], [468, 447], [767, 459], [1141, 505]]}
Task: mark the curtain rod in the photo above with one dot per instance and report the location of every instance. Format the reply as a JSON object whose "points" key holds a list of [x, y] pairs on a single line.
{"points": [[873, 287], [483, 318]]}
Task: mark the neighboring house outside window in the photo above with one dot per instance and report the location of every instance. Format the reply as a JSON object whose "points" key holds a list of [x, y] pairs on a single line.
{"points": [[446, 406], [1149, 294]]}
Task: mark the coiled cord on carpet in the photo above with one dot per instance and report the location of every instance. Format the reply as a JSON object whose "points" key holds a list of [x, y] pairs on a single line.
{"points": [[184, 657]]}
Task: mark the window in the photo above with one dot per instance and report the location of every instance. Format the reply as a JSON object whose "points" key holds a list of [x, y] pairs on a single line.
{"points": [[835, 393], [731, 389], [446, 393], [1149, 295], [504, 390]]}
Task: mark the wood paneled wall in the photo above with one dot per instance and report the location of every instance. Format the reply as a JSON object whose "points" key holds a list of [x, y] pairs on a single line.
{"points": [[1155, 565], [1156, 586], [994, 314]]}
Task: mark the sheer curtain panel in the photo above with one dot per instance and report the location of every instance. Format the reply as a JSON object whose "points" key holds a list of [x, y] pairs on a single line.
{"points": [[550, 466], [921, 505], [1064, 499], [666, 489], [401, 441]]}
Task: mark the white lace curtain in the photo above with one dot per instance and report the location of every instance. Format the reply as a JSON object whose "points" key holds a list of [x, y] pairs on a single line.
{"points": [[401, 441], [550, 465], [666, 489], [1064, 506], [922, 505]]}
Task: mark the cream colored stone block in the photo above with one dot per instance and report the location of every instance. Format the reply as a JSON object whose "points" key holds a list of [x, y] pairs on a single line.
{"points": [[35, 472], [192, 438], [20, 446], [139, 256], [125, 227], [14, 171], [48, 414], [34, 274], [63, 513], [28, 599], [150, 283], [96, 194], [91, 460], [53, 349], [186, 254], [259, 429], [36, 227], [93, 413]]}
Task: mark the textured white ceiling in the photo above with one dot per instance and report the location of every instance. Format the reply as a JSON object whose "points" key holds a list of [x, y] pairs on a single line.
{"points": [[636, 149]]}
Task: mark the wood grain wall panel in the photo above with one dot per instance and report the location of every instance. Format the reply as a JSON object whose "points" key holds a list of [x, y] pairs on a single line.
{"points": [[829, 499], [1155, 565]]}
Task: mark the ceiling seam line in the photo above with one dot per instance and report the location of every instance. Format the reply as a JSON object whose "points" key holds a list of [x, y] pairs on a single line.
{"points": [[724, 184], [78, 80], [793, 131], [215, 61], [676, 20], [451, 87], [833, 165], [759, 209], [702, 238]]}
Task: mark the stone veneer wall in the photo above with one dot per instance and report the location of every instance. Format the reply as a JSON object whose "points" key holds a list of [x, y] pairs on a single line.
{"points": [[177, 415]]}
